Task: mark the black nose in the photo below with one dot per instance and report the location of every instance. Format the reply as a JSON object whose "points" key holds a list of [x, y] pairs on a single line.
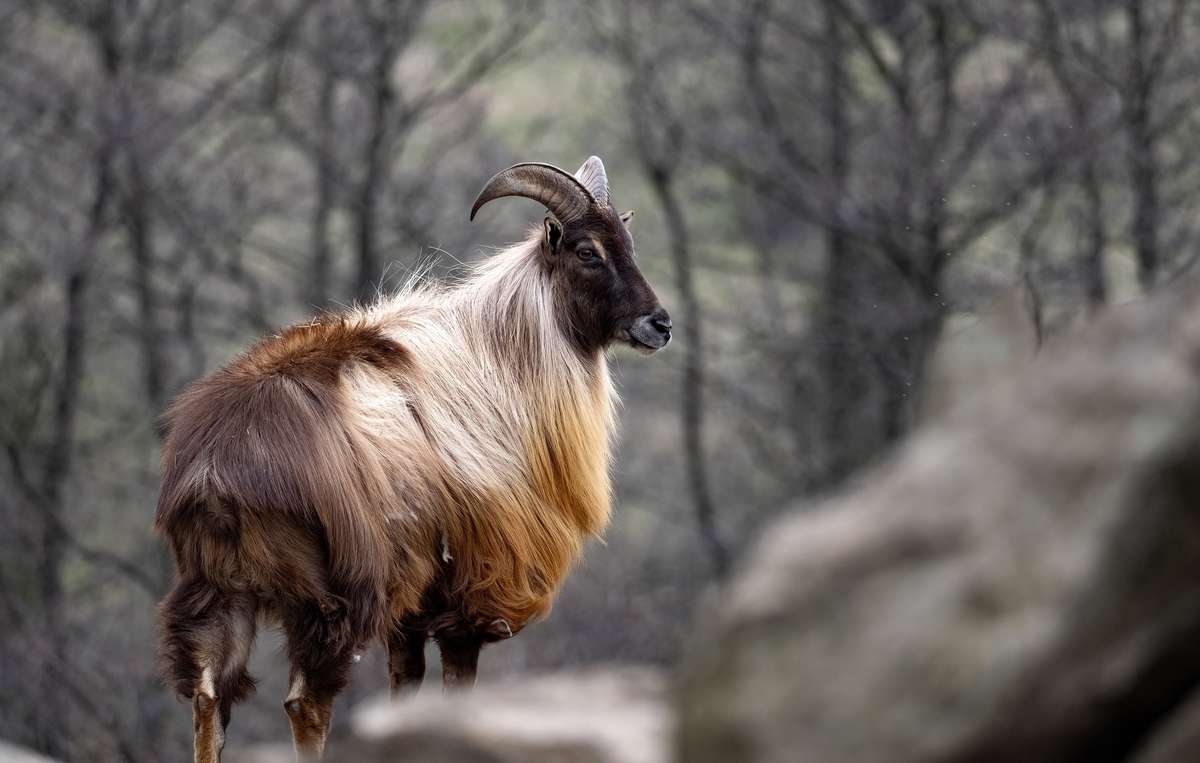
{"points": [[661, 321]]}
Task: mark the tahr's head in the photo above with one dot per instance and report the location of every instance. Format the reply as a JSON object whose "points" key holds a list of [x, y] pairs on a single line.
{"points": [[587, 250]]}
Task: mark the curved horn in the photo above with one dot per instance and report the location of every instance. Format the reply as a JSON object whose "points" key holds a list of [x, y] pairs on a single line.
{"points": [[595, 179], [558, 190]]}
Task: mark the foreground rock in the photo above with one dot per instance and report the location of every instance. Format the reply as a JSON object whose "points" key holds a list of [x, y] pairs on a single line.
{"points": [[1021, 582], [603, 715], [12, 754]]}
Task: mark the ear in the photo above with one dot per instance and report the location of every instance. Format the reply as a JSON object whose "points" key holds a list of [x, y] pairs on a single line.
{"points": [[552, 235], [627, 218]]}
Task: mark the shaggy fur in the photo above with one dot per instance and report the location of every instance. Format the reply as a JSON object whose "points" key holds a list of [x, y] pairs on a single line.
{"points": [[428, 466], [431, 463]]}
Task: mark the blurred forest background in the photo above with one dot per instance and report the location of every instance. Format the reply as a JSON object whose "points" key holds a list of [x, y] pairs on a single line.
{"points": [[828, 193]]}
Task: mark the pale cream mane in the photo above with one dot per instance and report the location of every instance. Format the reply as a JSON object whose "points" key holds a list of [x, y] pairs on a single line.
{"points": [[497, 439]]}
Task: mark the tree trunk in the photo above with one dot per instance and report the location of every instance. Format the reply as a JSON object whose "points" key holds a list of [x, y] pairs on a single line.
{"points": [[1143, 169], [382, 98], [367, 207], [318, 285], [141, 243], [692, 400], [1094, 281], [841, 344], [905, 361], [908, 347], [54, 732], [1095, 284], [922, 312], [53, 723]]}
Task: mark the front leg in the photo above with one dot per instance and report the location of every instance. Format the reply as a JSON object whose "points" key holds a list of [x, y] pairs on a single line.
{"points": [[406, 660], [460, 659]]}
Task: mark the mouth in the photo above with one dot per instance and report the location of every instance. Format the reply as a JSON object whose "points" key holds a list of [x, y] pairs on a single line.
{"points": [[646, 345], [642, 347]]}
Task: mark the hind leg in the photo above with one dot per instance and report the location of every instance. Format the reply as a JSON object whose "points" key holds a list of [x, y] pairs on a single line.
{"points": [[320, 668], [207, 728], [406, 660], [208, 635], [309, 712]]}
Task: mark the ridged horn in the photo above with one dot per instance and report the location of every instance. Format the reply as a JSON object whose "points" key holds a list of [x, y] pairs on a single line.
{"points": [[595, 179], [556, 189]]}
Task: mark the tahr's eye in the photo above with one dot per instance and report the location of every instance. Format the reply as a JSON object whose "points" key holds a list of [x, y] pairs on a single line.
{"points": [[587, 254]]}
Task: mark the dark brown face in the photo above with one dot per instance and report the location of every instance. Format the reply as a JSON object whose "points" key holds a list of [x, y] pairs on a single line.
{"points": [[602, 294]]}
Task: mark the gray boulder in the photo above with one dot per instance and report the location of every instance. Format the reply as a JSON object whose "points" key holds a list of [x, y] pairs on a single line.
{"points": [[1020, 582], [12, 754], [601, 715]]}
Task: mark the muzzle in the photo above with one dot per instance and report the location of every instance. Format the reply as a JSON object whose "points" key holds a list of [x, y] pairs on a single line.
{"points": [[650, 333]]}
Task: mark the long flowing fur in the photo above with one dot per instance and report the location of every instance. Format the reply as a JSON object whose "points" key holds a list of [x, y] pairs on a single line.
{"points": [[500, 429], [448, 435]]}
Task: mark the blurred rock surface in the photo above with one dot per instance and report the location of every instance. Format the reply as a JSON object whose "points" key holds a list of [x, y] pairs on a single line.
{"points": [[599, 715], [1021, 581], [12, 754]]}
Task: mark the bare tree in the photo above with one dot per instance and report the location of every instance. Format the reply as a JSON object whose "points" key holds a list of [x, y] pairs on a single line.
{"points": [[1084, 114], [371, 105], [1135, 50], [659, 139], [921, 200]]}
